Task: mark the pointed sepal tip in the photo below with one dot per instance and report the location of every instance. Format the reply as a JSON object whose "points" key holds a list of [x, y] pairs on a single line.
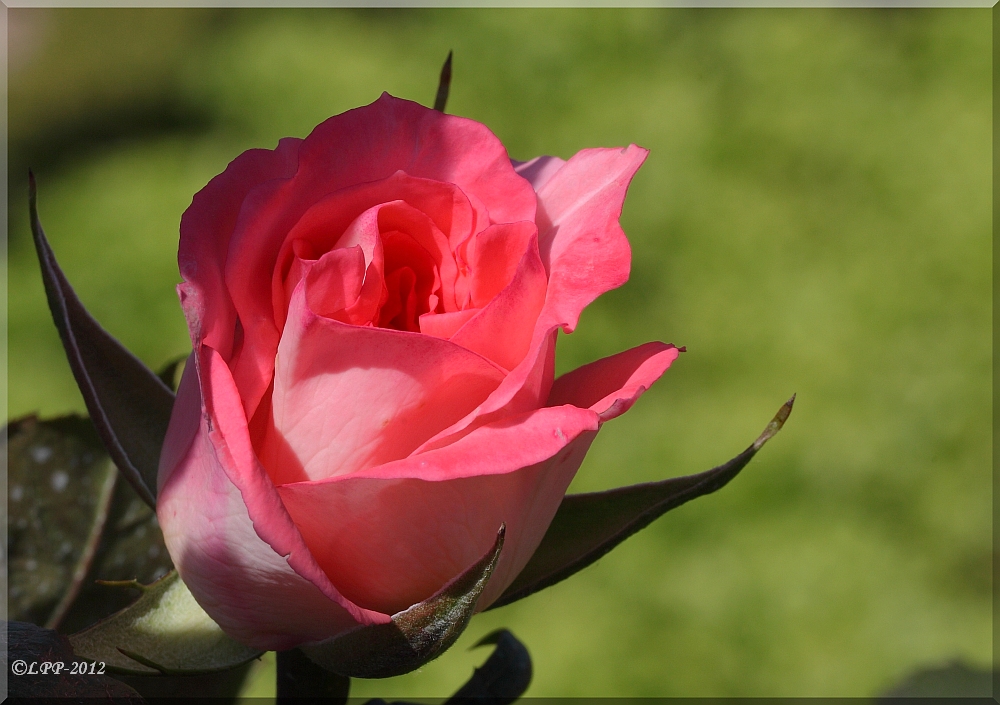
{"points": [[775, 425]]}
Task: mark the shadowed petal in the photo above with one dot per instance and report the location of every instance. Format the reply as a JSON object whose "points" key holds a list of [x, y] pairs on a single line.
{"points": [[228, 534]]}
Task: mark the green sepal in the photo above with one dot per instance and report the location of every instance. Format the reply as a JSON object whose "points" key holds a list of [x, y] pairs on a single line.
{"points": [[416, 635], [587, 526], [129, 405], [163, 632], [444, 85]]}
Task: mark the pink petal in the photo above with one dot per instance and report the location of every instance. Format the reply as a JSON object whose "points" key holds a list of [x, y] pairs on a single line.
{"points": [[346, 397], [581, 243], [610, 386], [445, 325], [585, 253], [323, 200], [393, 535], [403, 217], [375, 141], [502, 331], [206, 228], [228, 534], [525, 388], [335, 281], [494, 256]]}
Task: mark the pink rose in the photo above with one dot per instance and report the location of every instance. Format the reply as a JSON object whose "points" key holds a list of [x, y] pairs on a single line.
{"points": [[374, 312]]}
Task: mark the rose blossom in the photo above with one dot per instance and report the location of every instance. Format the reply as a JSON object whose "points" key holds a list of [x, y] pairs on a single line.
{"points": [[371, 393]]}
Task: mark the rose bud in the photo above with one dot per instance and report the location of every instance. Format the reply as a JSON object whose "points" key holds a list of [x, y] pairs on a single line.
{"points": [[371, 394]]}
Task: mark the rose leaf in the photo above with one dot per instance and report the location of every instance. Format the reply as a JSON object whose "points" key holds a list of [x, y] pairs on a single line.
{"points": [[70, 522], [128, 403], [60, 489], [416, 635], [505, 675], [165, 631], [29, 644], [587, 526]]}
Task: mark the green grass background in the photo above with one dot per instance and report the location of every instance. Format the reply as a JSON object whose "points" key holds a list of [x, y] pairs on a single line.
{"points": [[814, 217]]}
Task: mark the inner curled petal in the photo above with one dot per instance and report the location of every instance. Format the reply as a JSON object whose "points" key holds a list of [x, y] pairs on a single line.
{"points": [[412, 281], [417, 222]]}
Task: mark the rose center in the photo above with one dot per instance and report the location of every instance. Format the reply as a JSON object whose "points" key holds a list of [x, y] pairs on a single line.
{"points": [[412, 283]]}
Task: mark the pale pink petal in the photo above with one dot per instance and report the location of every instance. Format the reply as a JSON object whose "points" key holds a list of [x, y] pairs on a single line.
{"points": [[582, 245], [185, 420], [393, 535], [610, 386], [539, 170], [347, 397], [503, 329], [228, 534], [374, 141]]}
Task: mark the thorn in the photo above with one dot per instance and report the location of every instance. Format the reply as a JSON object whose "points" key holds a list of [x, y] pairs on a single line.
{"points": [[444, 84], [124, 583], [682, 348]]}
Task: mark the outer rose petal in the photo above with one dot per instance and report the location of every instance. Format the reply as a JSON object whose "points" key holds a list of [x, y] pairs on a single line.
{"points": [[247, 587], [393, 535], [206, 228], [611, 386], [582, 245]]}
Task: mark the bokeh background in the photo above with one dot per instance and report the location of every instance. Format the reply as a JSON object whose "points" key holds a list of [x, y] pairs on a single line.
{"points": [[814, 217]]}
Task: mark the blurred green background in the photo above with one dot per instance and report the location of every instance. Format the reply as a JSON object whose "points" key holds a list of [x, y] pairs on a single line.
{"points": [[814, 217]]}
